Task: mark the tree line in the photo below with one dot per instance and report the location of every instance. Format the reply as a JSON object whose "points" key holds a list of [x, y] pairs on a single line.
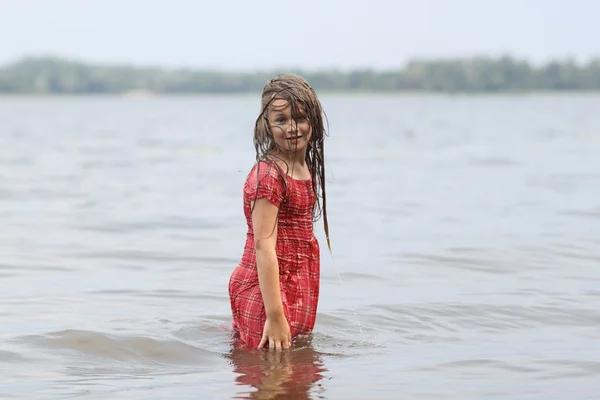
{"points": [[51, 75]]}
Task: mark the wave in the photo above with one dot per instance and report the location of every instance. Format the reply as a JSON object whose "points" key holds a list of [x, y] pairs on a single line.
{"points": [[120, 347]]}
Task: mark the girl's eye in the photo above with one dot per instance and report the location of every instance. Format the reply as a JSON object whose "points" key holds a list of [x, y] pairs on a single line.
{"points": [[283, 121]]}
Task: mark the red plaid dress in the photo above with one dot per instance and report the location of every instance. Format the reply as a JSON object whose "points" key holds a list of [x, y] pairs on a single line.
{"points": [[297, 254]]}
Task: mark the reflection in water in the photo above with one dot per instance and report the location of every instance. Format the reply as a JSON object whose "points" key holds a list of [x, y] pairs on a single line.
{"points": [[291, 374]]}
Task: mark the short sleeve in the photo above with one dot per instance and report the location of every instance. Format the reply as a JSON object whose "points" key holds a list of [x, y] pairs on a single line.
{"points": [[265, 180]]}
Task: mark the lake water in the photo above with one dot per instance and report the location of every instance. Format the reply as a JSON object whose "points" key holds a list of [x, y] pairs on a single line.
{"points": [[465, 232]]}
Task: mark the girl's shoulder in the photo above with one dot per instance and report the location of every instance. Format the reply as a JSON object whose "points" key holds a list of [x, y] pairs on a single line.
{"points": [[265, 169], [265, 179]]}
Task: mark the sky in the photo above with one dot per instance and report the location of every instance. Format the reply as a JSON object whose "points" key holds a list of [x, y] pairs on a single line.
{"points": [[308, 34]]}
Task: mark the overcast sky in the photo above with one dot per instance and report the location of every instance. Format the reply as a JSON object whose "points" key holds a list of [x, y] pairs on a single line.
{"points": [[248, 34]]}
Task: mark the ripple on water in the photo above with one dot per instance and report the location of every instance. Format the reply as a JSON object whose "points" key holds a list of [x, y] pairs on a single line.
{"points": [[12, 357], [177, 223], [159, 294], [479, 316], [472, 261], [120, 347]]}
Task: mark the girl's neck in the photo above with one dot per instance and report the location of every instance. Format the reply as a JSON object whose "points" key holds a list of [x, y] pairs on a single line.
{"points": [[297, 158], [294, 167]]}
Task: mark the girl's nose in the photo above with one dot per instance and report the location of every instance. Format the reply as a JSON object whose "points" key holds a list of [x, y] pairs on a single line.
{"points": [[292, 127]]}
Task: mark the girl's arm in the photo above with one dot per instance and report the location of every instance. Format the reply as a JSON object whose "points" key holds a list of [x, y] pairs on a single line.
{"points": [[276, 332], [264, 222]]}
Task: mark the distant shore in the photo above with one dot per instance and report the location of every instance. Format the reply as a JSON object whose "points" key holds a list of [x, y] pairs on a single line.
{"points": [[322, 94], [49, 76]]}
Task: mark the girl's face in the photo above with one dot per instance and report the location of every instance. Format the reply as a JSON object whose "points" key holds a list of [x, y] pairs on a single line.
{"points": [[291, 135]]}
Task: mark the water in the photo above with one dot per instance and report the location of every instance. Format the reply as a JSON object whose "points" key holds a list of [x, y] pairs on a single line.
{"points": [[465, 230]]}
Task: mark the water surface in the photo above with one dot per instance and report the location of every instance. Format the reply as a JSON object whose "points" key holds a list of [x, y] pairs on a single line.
{"points": [[465, 232]]}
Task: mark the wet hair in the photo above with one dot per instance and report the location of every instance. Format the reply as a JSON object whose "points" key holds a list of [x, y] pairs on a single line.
{"points": [[304, 103]]}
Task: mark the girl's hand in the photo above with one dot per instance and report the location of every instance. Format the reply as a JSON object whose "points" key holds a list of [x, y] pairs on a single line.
{"points": [[276, 333]]}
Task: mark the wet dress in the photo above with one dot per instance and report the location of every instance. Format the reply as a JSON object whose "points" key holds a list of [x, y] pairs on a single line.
{"points": [[297, 251]]}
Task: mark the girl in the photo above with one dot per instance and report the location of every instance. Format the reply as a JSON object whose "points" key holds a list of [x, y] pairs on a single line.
{"points": [[274, 290]]}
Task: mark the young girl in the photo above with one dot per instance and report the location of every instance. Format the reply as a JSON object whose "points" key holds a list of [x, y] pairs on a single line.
{"points": [[274, 290]]}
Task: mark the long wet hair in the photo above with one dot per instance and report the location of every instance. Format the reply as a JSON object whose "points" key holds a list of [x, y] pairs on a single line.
{"points": [[304, 103]]}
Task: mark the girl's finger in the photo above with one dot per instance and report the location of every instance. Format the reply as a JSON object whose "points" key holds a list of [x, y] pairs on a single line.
{"points": [[262, 341]]}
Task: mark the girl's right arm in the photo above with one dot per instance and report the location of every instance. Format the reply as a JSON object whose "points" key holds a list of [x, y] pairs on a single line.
{"points": [[264, 220]]}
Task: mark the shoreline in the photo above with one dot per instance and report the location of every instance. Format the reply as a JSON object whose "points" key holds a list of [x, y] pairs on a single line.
{"points": [[333, 93]]}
